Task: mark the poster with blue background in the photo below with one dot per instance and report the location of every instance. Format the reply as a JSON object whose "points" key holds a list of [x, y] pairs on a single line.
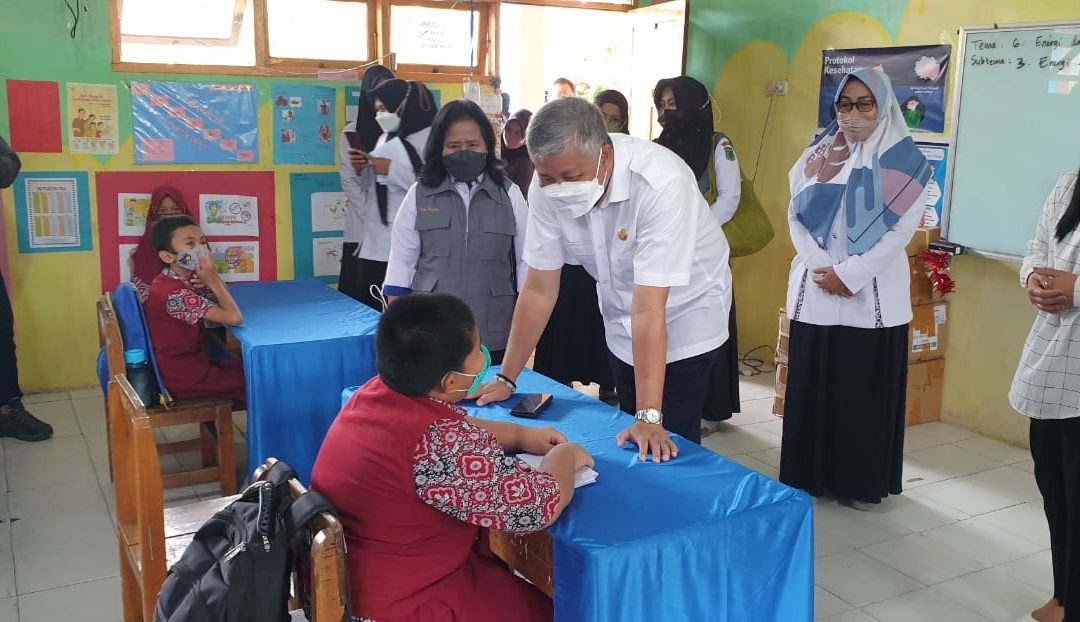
{"points": [[193, 123], [938, 156], [318, 217], [919, 76], [304, 122]]}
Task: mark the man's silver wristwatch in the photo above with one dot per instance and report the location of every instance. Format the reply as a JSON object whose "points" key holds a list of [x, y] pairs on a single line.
{"points": [[650, 415]]}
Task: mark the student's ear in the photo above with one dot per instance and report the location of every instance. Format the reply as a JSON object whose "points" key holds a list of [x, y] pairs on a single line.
{"points": [[166, 257]]}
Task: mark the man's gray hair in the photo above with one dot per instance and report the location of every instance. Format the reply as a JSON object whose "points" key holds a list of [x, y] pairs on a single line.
{"points": [[566, 124]]}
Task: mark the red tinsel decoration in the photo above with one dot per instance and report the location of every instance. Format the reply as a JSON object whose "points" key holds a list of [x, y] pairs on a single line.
{"points": [[937, 268]]}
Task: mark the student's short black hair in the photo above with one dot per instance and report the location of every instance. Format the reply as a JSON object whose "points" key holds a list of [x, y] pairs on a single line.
{"points": [[161, 234], [422, 337]]}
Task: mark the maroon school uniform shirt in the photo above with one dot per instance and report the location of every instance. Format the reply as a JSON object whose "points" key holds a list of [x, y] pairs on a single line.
{"points": [[175, 313], [416, 485]]}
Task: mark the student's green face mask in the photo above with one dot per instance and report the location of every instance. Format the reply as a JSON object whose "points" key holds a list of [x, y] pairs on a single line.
{"points": [[478, 379]]}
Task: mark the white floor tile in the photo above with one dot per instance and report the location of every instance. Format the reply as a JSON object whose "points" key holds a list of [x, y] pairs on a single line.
{"points": [[55, 461], [7, 563], [922, 559], [79, 563], [1028, 466], [983, 542], [1036, 570], [854, 615], [857, 529], [969, 495], [61, 530], [1009, 481], [774, 427], [757, 387], [769, 456], [1026, 520], [995, 450], [41, 398], [754, 411], [86, 392], [927, 604], [730, 440], [994, 594], [936, 464], [826, 604], [82, 496], [861, 580], [9, 610], [96, 601], [917, 512], [935, 433]]}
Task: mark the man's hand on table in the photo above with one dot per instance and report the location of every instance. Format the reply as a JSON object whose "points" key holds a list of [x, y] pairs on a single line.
{"points": [[539, 441], [490, 393], [650, 438]]}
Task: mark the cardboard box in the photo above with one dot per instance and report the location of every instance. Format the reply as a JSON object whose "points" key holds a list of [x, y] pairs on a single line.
{"points": [[781, 354], [922, 289], [785, 323], [925, 381], [923, 238], [929, 331], [780, 380]]}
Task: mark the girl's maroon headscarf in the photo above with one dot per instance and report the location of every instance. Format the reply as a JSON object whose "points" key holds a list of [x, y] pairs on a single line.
{"points": [[145, 261]]}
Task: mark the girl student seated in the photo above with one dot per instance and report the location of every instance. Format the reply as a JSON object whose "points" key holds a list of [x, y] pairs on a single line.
{"points": [[187, 292], [461, 228], [415, 480]]}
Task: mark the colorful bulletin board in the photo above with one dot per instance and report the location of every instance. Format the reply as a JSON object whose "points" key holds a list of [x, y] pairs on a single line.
{"points": [[919, 74], [52, 212], [318, 215], [191, 123], [304, 124], [219, 200]]}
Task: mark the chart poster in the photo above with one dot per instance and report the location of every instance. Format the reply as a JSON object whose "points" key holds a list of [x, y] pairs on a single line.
{"points": [[53, 212], [229, 215], [318, 218], [919, 77], [326, 256], [236, 261], [131, 210], [92, 119], [938, 156], [193, 123], [304, 123]]}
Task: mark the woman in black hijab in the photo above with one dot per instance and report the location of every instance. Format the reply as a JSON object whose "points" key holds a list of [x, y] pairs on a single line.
{"points": [[359, 187], [686, 114], [616, 111], [519, 168]]}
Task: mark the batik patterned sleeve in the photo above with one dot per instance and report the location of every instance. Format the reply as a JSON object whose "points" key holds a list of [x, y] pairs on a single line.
{"points": [[186, 305], [461, 470]]}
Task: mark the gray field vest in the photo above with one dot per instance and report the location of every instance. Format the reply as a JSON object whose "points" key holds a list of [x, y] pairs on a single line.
{"points": [[474, 261]]}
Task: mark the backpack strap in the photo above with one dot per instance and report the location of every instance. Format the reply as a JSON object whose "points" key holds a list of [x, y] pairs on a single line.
{"points": [[711, 193], [304, 508]]}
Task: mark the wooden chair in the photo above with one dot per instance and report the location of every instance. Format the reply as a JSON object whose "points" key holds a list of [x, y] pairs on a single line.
{"points": [[320, 574], [214, 417], [151, 537], [530, 555]]}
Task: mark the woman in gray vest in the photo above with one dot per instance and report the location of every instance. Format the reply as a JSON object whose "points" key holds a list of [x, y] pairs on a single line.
{"points": [[461, 228]]}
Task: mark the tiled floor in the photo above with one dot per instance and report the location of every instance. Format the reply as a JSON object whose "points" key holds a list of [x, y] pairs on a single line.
{"points": [[966, 542]]}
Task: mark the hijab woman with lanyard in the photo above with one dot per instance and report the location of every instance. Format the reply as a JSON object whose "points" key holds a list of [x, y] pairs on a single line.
{"points": [[358, 181], [404, 111], [686, 114], [519, 168], [857, 196], [1045, 387]]}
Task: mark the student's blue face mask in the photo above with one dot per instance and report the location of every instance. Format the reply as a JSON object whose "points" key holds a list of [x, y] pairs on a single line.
{"points": [[478, 379]]}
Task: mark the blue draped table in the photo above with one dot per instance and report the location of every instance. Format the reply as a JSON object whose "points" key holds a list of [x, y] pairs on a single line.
{"points": [[698, 538], [302, 341]]}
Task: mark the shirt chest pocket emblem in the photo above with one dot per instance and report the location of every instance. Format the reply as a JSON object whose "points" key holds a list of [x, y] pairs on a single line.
{"points": [[623, 234]]}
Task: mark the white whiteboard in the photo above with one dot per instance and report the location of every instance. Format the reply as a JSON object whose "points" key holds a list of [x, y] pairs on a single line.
{"points": [[1016, 130]]}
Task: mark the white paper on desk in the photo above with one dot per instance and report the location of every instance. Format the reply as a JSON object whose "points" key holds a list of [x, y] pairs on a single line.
{"points": [[583, 477]]}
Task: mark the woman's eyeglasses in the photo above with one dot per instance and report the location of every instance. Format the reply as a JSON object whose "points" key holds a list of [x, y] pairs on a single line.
{"points": [[865, 104]]}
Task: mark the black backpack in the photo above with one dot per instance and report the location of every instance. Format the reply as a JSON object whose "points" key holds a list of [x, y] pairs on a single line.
{"points": [[236, 568]]}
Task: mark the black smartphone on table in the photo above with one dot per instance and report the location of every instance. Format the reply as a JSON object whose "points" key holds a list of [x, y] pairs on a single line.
{"points": [[530, 405]]}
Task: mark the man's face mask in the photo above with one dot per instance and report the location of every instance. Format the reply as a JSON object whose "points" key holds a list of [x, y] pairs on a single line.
{"points": [[478, 379], [576, 198]]}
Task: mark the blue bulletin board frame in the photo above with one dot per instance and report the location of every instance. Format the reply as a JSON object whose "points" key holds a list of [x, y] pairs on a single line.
{"points": [[82, 197], [301, 187]]}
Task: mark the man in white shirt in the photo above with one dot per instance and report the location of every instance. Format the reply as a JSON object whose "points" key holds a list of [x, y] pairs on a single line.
{"points": [[631, 213]]}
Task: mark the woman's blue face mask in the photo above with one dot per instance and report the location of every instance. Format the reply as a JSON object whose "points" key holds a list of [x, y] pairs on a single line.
{"points": [[478, 379]]}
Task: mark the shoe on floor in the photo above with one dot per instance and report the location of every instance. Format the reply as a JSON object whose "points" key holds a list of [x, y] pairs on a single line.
{"points": [[17, 422], [855, 504]]}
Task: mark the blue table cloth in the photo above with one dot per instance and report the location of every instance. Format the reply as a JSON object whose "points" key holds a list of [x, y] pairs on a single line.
{"points": [[697, 539], [302, 341]]}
